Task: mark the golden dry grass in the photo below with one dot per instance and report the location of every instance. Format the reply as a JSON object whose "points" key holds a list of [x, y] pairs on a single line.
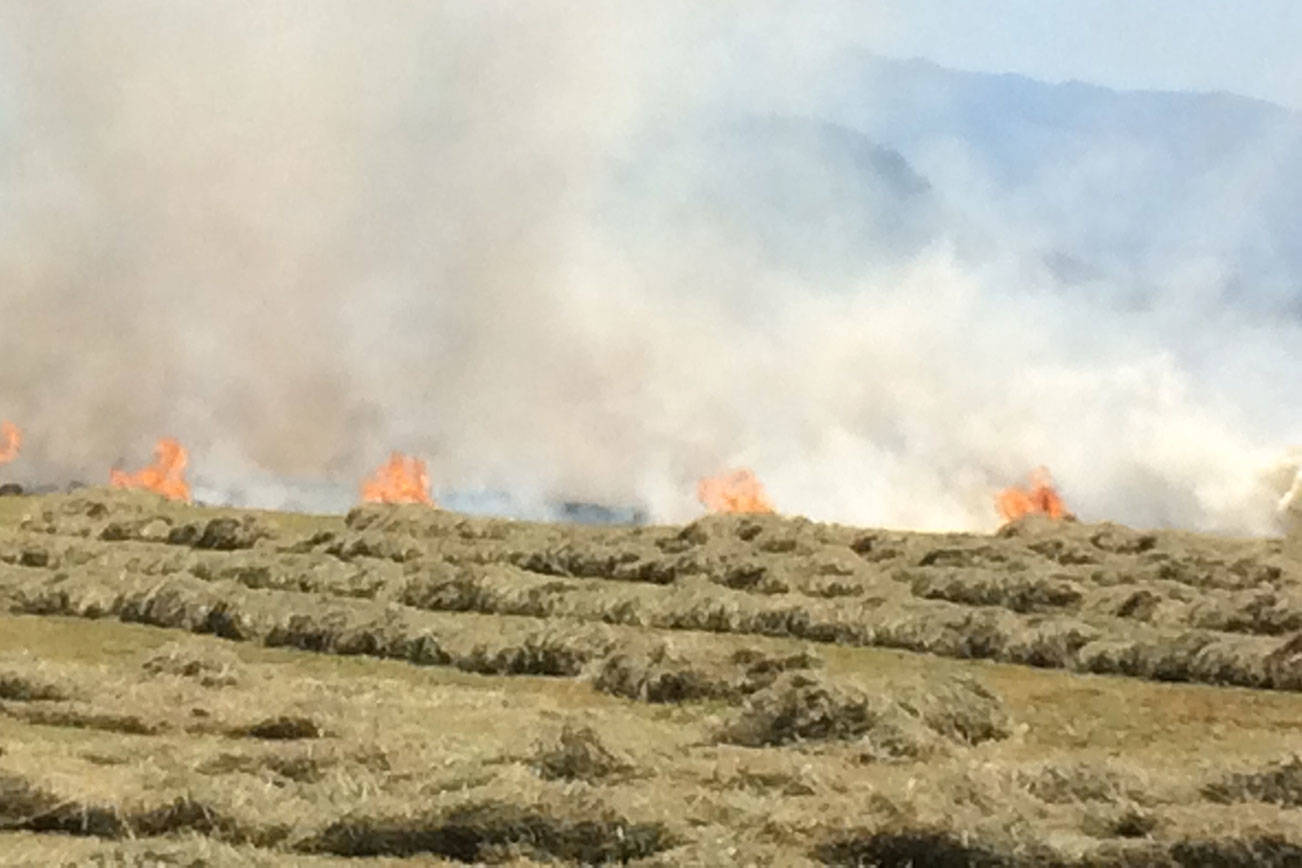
{"points": [[379, 695]]}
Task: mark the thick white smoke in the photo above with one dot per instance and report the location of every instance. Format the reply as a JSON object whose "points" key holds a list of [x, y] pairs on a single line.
{"points": [[533, 243]]}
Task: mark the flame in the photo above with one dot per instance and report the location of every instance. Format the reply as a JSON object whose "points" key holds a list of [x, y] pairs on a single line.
{"points": [[166, 476], [11, 438], [735, 491], [1040, 499], [401, 480]]}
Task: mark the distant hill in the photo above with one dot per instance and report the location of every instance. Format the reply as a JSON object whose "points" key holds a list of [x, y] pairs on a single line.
{"points": [[1129, 193], [1110, 184], [805, 195]]}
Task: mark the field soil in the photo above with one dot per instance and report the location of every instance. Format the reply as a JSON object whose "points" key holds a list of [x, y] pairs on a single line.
{"points": [[408, 686]]}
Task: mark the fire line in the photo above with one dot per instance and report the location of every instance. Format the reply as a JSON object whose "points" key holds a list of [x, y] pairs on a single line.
{"points": [[1041, 498], [402, 479], [11, 440], [166, 476], [734, 491]]}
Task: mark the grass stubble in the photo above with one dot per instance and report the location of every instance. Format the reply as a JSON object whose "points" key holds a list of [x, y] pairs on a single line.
{"points": [[184, 685]]}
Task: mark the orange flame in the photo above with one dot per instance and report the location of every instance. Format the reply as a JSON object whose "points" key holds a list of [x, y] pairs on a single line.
{"points": [[166, 476], [1040, 499], [401, 480], [735, 491], [11, 438]]}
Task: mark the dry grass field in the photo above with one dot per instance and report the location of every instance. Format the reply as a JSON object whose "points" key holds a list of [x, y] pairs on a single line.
{"points": [[407, 686]]}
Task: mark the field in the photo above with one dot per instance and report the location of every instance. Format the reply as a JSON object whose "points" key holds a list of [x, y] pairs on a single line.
{"points": [[193, 686]]}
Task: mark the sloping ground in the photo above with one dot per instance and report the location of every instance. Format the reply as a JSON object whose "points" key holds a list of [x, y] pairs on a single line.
{"points": [[182, 686]]}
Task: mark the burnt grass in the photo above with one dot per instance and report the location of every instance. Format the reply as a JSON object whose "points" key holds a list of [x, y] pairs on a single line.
{"points": [[731, 640]]}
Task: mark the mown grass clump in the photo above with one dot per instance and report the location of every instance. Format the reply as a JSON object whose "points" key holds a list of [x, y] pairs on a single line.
{"points": [[299, 768], [23, 805], [283, 728], [16, 687], [917, 848], [578, 753], [660, 674], [1266, 851], [803, 706], [211, 667], [1279, 783], [473, 833], [1076, 782]]}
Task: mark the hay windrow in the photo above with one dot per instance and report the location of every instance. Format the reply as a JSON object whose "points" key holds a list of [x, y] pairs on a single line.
{"points": [[655, 672], [223, 534], [472, 833], [1266, 851], [1094, 598], [27, 806], [80, 716], [984, 587], [23, 805], [1084, 642], [674, 689]]}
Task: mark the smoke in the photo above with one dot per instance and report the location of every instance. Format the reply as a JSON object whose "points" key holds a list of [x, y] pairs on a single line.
{"points": [[292, 235], [585, 252]]}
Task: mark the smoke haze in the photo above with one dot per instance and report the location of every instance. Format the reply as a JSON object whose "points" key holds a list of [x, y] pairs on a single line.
{"points": [[594, 252]]}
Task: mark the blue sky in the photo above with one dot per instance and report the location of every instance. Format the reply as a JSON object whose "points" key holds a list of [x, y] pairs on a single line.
{"points": [[1251, 48]]}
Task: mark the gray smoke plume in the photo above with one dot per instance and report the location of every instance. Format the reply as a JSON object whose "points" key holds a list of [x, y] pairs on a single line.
{"points": [[579, 251]]}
